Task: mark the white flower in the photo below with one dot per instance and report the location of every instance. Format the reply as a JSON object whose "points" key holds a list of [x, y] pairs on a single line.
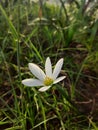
{"points": [[46, 79]]}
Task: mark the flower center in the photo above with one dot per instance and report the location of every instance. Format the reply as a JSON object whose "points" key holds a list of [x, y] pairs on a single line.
{"points": [[48, 81]]}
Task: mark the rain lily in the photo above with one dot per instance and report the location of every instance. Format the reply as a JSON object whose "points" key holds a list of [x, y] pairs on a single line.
{"points": [[46, 79]]}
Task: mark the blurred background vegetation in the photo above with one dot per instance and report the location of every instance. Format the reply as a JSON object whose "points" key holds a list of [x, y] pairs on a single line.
{"points": [[30, 31]]}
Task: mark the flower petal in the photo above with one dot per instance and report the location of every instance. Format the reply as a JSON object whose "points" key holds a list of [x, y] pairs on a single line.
{"points": [[59, 79], [48, 67], [43, 89], [57, 68], [32, 82], [36, 71]]}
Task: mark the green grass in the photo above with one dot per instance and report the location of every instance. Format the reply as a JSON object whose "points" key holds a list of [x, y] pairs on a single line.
{"points": [[63, 32]]}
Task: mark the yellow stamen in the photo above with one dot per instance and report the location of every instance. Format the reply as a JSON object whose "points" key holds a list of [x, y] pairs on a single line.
{"points": [[48, 81]]}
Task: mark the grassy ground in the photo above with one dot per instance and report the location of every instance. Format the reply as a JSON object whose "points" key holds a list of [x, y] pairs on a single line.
{"points": [[30, 33]]}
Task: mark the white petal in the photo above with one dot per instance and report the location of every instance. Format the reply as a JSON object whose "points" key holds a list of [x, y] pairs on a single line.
{"points": [[32, 82], [43, 89], [36, 71], [57, 68], [48, 67], [59, 79]]}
